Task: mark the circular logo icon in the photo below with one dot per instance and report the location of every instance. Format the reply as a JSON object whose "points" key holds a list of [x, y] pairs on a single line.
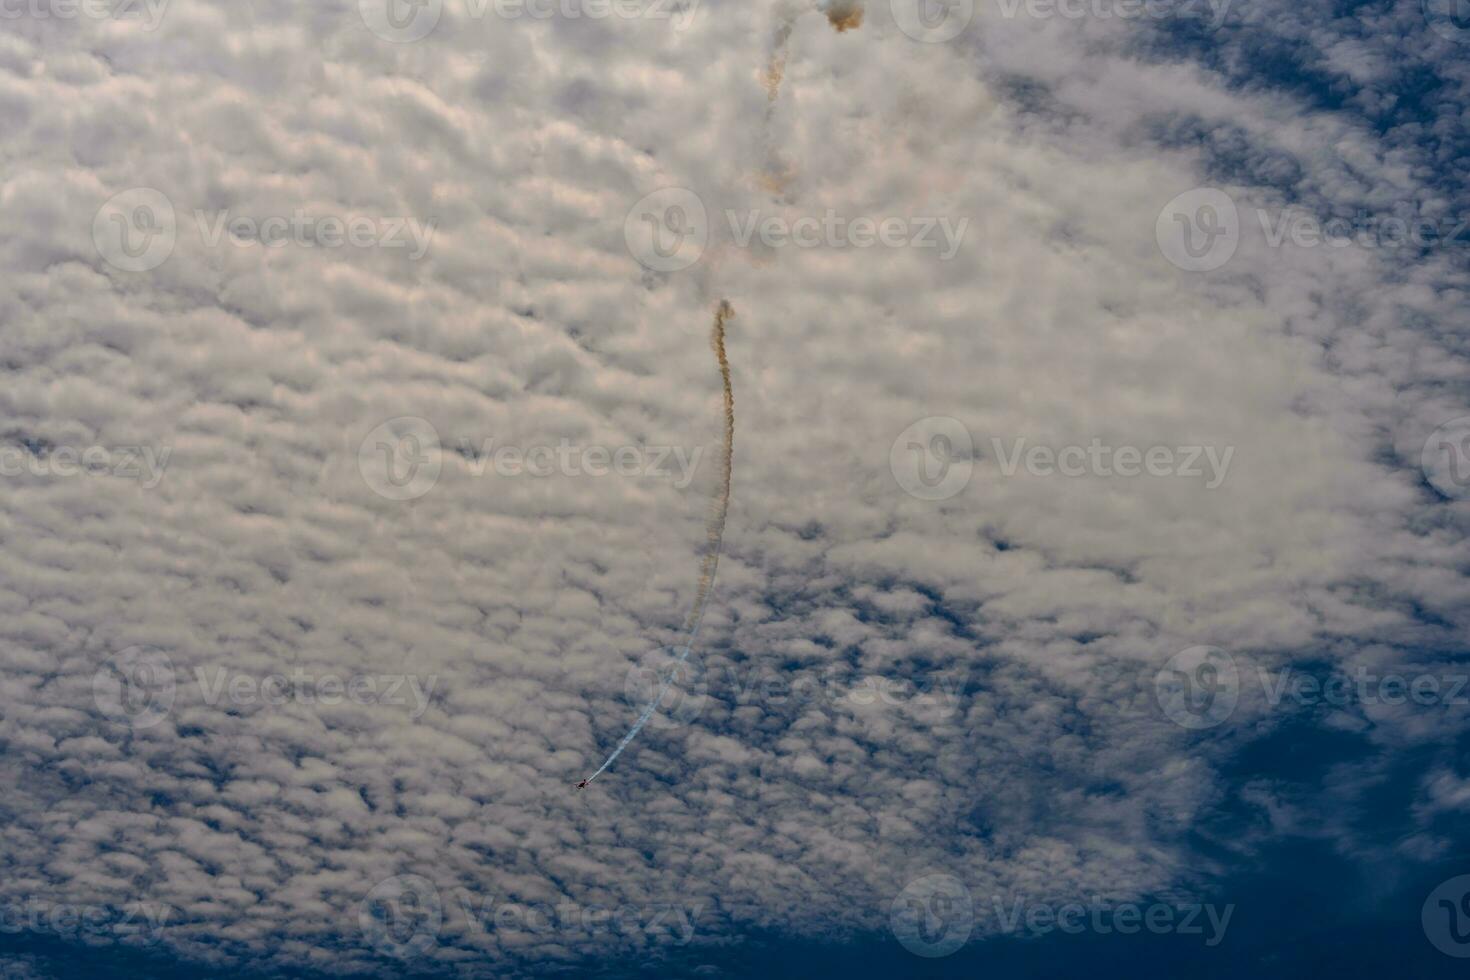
{"points": [[401, 459], [933, 458], [135, 687], [1199, 230], [1198, 687], [1446, 457], [1446, 917], [677, 685], [1449, 18], [667, 230], [933, 916], [932, 21], [135, 230], [400, 21], [402, 916]]}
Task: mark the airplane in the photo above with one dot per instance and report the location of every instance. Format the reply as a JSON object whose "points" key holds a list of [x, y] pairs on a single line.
{"points": [[582, 784]]}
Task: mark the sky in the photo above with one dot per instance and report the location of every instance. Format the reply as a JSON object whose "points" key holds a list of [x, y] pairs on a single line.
{"points": [[1092, 593]]}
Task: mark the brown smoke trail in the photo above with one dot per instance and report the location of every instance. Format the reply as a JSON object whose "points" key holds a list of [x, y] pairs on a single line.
{"points": [[715, 526], [845, 15]]}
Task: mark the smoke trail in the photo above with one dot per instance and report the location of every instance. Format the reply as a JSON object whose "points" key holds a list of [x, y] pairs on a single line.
{"points": [[714, 536]]}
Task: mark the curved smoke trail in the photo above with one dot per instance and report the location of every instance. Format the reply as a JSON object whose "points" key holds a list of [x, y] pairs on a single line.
{"points": [[714, 536]]}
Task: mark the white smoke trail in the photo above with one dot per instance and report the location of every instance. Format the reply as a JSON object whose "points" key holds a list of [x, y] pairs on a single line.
{"points": [[714, 535]]}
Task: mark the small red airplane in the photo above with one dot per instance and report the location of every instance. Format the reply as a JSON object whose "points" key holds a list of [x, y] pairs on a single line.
{"points": [[582, 784]]}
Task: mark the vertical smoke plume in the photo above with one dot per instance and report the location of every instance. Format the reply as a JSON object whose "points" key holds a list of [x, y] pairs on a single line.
{"points": [[843, 15], [715, 526], [714, 537]]}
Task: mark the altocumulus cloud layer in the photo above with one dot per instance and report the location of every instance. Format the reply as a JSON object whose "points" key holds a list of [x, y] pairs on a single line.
{"points": [[1021, 616]]}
